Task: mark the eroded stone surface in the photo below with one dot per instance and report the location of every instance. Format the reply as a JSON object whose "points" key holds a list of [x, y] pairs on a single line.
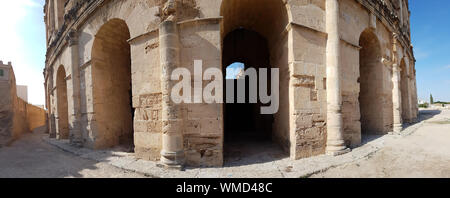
{"points": [[379, 156], [124, 49]]}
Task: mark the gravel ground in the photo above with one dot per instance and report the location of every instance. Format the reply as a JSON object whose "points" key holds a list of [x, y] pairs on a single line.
{"points": [[30, 157], [422, 150], [424, 154]]}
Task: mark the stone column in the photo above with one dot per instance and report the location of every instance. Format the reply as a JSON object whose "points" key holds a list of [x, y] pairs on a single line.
{"points": [[396, 98], [335, 132], [410, 102], [47, 115], [396, 92], [172, 154], [51, 92], [76, 137]]}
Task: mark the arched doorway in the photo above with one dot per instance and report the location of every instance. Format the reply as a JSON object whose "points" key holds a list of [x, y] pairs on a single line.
{"points": [[112, 90], [253, 35], [404, 86], [371, 84], [244, 120], [62, 107]]}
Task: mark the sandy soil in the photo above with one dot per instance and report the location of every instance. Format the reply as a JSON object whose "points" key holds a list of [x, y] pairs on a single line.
{"points": [[30, 157], [425, 153]]}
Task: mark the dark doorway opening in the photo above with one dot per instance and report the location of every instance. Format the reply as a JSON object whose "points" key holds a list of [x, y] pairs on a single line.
{"points": [[372, 94], [244, 124]]}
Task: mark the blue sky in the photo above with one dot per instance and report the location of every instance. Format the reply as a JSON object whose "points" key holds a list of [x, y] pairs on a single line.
{"points": [[233, 70], [430, 26], [22, 41]]}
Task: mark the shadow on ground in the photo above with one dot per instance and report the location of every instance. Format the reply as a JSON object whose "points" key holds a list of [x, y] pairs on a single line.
{"points": [[30, 157], [241, 153], [423, 116]]}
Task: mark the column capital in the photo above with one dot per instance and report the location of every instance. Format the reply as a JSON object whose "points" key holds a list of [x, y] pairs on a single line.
{"points": [[72, 37], [169, 11]]}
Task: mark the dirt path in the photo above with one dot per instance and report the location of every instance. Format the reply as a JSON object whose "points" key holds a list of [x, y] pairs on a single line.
{"points": [[30, 157], [425, 153]]}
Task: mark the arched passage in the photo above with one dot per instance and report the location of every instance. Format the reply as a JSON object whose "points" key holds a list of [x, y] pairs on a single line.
{"points": [[371, 84], [62, 107], [404, 86], [253, 33], [111, 79], [243, 120]]}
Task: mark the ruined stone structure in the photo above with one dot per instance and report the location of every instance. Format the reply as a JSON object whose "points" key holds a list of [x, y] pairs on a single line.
{"points": [[17, 117], [346, 69]]}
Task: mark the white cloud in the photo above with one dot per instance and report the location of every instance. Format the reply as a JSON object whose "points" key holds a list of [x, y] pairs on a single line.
{"points": [[12, 46]]}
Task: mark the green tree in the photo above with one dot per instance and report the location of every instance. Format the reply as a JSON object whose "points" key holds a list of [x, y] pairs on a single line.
{"points": [[431, 99]]}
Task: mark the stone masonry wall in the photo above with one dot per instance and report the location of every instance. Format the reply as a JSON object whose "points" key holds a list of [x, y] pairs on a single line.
{"points": [[296, 32], [17, 117]]}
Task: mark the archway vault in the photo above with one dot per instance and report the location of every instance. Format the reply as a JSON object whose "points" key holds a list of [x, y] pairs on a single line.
{"points": [[375, 98], [62, 104], [111, 79], [253, 32], [267, 17], [405, 92]]}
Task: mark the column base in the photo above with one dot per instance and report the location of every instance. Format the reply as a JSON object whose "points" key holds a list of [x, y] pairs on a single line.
{"points": [[172, 160], [336, 147], [398, 128], [76, 139], [77, 143], [170, 167], [339, 152]]}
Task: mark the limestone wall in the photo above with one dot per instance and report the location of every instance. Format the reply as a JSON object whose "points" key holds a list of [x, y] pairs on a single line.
{"points": [[13, 109], [36, 117], [297, 41], [17, 117], [203, 131]]}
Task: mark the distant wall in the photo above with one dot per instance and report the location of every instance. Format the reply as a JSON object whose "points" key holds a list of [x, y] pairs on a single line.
{"points": [[19, 112], [35, 117], [17, 117]]}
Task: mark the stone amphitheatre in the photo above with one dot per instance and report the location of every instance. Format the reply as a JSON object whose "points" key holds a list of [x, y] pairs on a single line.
{"points": [[347, 70]]}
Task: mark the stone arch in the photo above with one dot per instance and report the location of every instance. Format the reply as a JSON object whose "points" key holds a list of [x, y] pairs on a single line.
{"points": [[404, 87], [267, 17], [253, 33], [126, 11], [62, 104], [111, 79], [372, 97]]}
